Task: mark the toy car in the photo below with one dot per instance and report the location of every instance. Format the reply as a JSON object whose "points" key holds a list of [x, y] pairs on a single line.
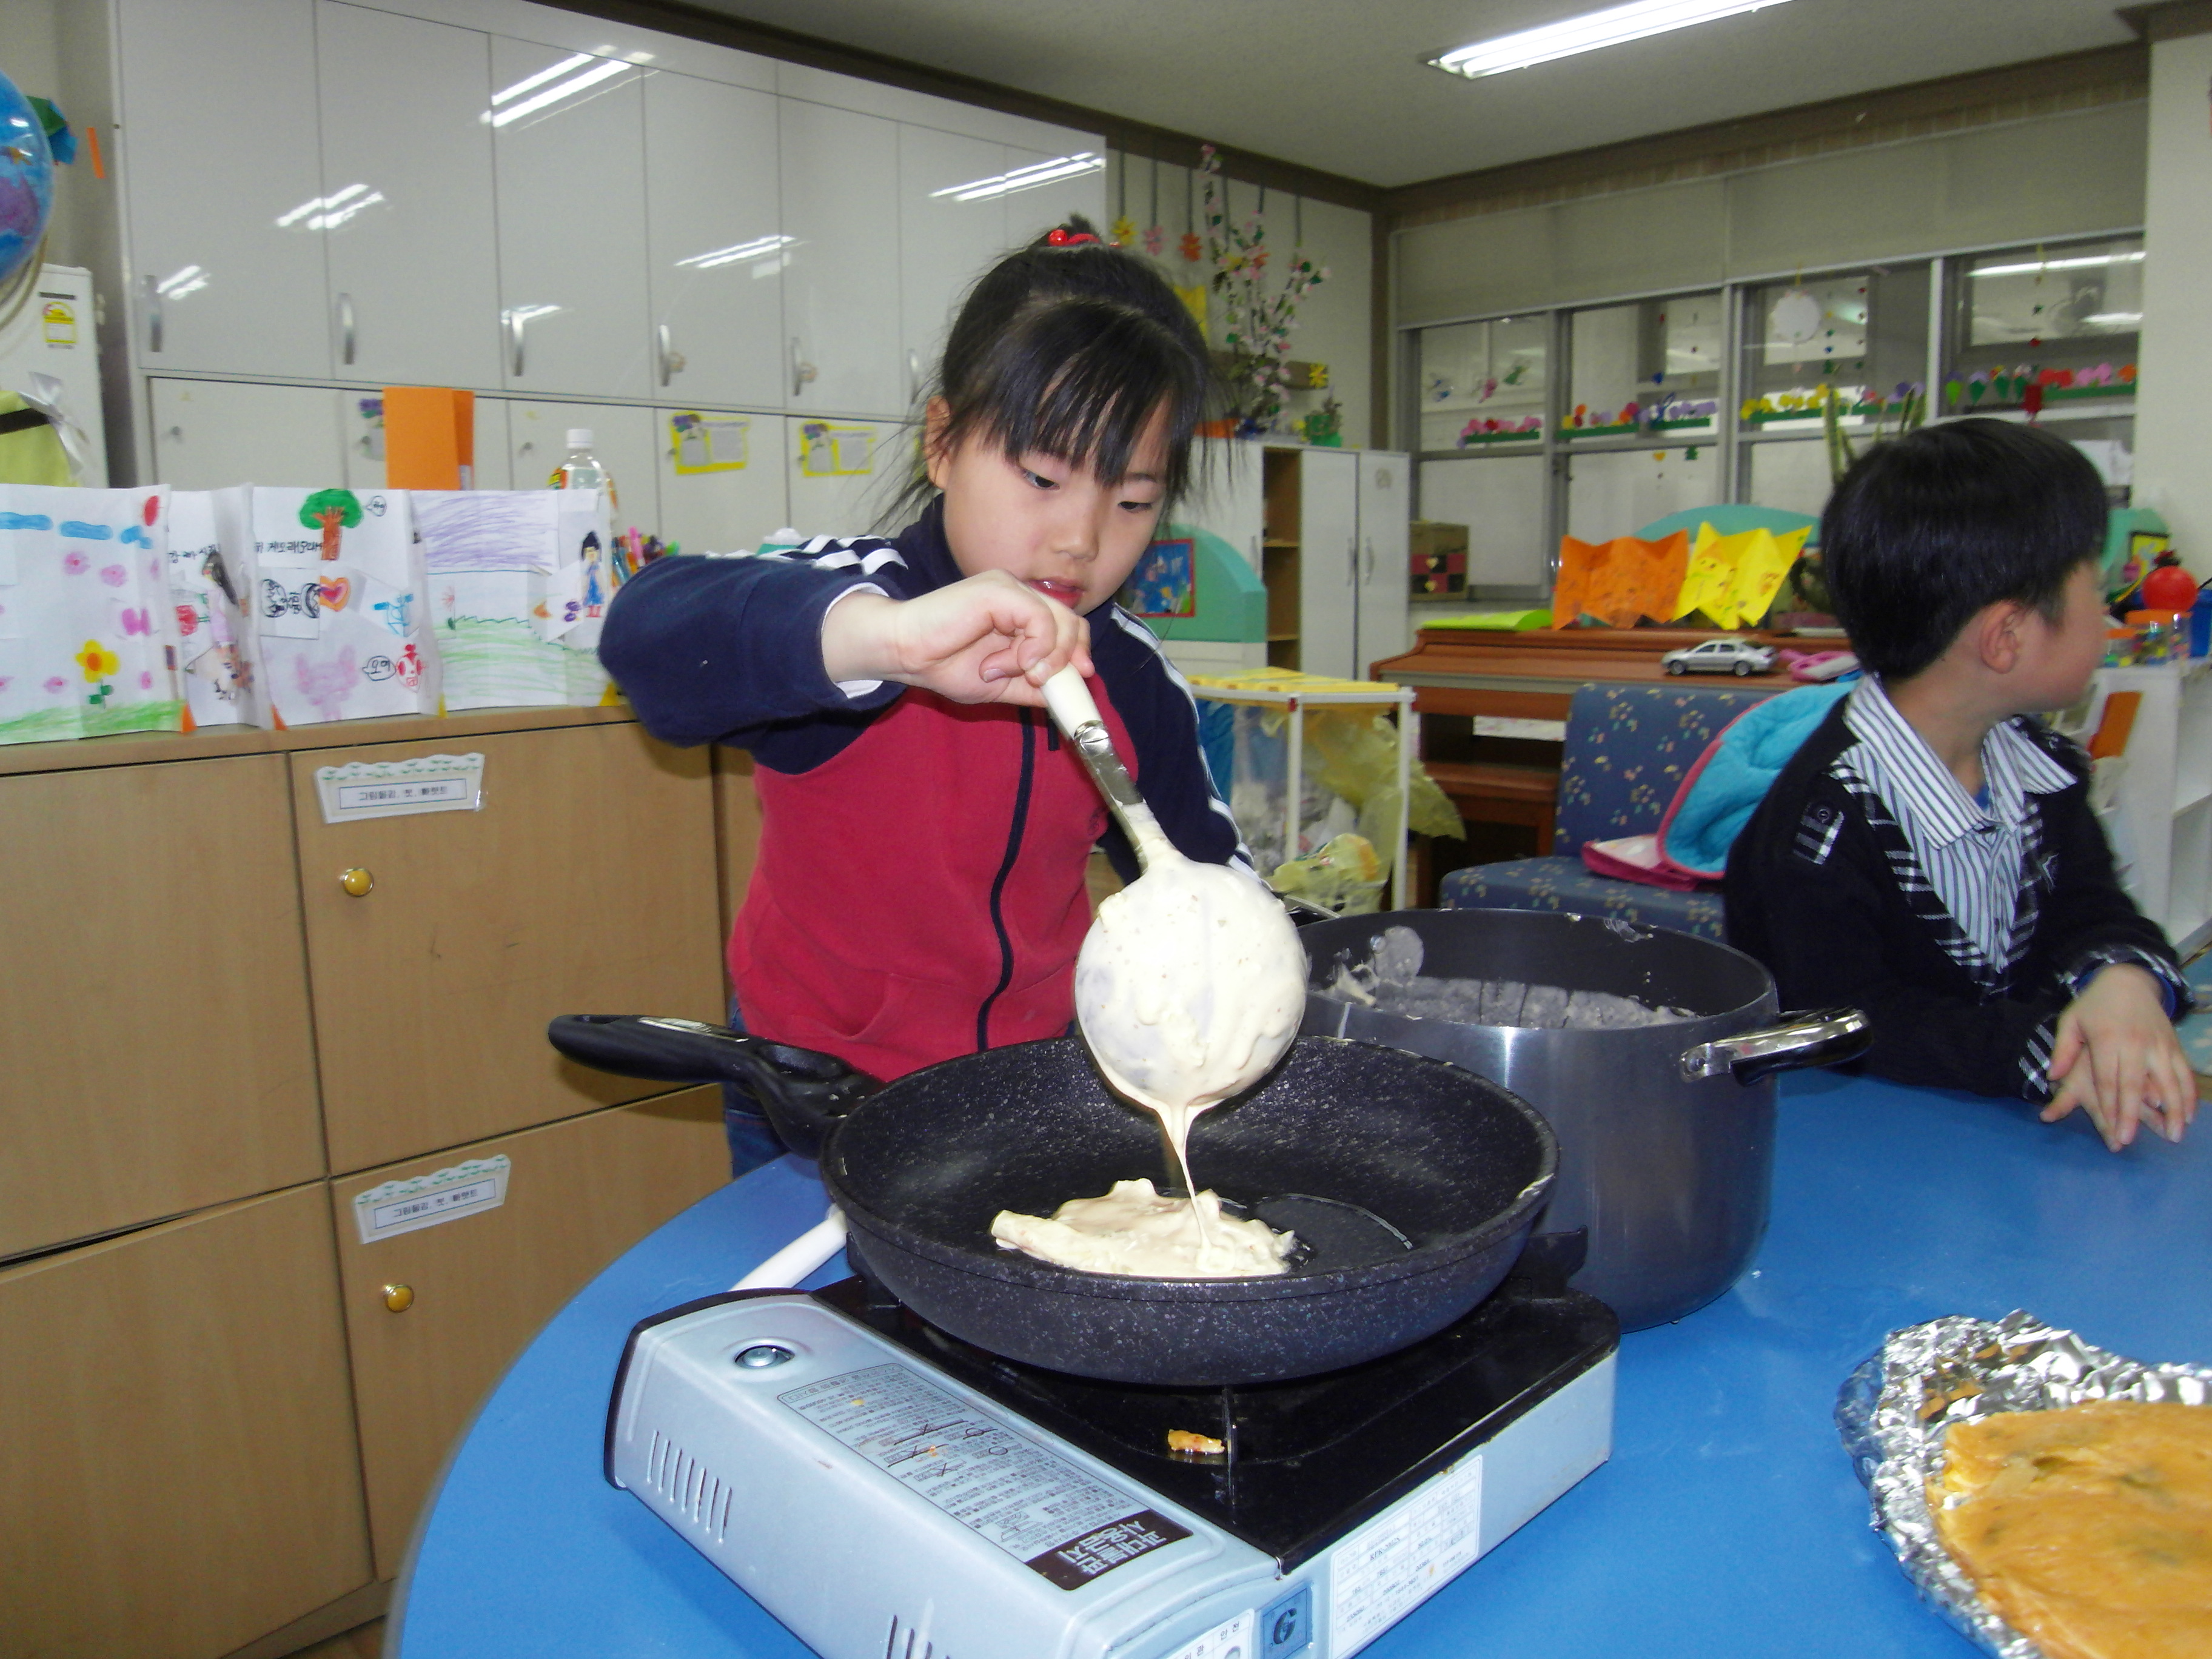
{"points": [[1720, 656]]}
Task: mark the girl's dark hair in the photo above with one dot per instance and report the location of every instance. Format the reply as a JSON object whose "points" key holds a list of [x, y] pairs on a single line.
{"points": [[1928, 529], [1067, 349]]}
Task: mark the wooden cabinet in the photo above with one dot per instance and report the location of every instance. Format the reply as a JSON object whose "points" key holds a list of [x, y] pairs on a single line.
{"points": [[151, 1004], [586, 883], [568, 143], [217, 152], [841, 285], [409, 213], [177, 1466], [478, 1287]]}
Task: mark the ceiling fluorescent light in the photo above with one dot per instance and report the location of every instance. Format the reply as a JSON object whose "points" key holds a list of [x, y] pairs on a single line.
{"points": [[759, 247], [1028, 177], [1612, 27], [567, 88], [530, 81], [2082, 262]]}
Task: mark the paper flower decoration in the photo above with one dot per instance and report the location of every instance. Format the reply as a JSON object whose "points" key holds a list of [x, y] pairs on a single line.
{"points": [[1124, 231], [1190, 246], [1154, 240]]}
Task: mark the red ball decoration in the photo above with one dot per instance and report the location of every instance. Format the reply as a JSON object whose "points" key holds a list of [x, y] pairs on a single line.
{"points": [[2169, 588]]}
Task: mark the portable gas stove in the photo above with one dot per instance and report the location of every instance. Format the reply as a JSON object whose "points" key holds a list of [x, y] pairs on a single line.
{"points": [[891, 1492]]}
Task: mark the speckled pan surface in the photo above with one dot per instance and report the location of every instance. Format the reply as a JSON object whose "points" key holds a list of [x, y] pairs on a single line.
{"points": [[1459, 1166]]}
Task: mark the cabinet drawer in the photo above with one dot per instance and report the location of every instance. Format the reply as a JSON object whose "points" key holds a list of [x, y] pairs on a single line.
{"points": [[586, 883], [178, 1472], [151, 1009], [479, 1286]]}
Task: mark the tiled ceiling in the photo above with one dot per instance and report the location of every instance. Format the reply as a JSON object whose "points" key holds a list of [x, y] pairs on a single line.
{"points": [[1341, 85]]}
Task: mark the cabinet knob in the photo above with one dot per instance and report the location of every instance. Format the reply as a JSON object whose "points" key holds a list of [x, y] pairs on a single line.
{"points": [[399, 1298], [357, 882]]}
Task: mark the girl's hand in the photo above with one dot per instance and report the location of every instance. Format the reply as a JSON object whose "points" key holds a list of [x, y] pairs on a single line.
{"points": [[2120, 1060], [987, 639]]}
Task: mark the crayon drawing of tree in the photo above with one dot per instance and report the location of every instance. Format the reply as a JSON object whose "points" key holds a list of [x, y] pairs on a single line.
{"points": [[331, 510]]}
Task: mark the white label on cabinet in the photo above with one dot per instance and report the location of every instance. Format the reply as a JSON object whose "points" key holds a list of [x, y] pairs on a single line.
{"points": [[1506, 725], [390, 789], [1405, 1555], [402, 1207]]}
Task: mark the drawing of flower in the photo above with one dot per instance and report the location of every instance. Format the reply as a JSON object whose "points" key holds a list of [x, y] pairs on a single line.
{"points": [[145, 679], [188, 620], [114, 574], [97, 661], [54, 682], [75, 563]]}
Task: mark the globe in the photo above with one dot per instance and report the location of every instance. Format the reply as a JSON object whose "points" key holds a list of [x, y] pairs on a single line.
{"points": [[26, 183]]}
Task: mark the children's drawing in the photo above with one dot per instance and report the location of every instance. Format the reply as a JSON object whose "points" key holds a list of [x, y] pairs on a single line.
{"points": [[214, 663], [88, 634], [708, 443], [334, 510], [334, 634], [517, 579], [836, 452]]}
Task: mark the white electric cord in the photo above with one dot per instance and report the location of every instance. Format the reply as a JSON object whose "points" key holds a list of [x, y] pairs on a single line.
{"points": [[788, 1266]]}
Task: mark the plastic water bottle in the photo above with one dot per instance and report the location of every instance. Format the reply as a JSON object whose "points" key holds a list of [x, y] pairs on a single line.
{"points": [[581, 468]]}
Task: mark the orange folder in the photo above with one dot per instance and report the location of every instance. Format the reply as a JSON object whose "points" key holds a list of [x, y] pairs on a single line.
{"points": [[429, 438]]}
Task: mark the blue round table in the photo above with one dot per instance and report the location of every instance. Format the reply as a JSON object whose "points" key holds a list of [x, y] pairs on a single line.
{"points": [[1728, 1522]]}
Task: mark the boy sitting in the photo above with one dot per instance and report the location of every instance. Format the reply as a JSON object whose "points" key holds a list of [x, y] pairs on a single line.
{"points": [[1929, 855]]}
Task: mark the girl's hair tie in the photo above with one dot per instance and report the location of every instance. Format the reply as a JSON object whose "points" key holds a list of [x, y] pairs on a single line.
{"points": [[1063, 237]]}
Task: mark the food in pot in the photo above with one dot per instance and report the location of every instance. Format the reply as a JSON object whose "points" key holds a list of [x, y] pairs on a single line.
{"points": [[1391, 981], [1136, 1231], [2087, 1529]]}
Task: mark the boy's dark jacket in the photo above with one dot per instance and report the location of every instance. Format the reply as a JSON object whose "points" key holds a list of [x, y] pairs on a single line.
{"points": [[920, 887], [1813, 891]]}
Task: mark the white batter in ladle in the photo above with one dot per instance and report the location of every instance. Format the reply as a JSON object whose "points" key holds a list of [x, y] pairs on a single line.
{"points": [[1191, 982]]}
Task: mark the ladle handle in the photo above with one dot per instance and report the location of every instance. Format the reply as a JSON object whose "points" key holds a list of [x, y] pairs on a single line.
{"points": [[1075, 711]]}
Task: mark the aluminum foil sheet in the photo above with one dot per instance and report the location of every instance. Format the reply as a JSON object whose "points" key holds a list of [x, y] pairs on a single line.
{"points": [[1897, 1406]]}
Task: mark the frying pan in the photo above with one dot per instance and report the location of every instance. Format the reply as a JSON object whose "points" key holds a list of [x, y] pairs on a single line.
{"points": [[1410, 1183]]}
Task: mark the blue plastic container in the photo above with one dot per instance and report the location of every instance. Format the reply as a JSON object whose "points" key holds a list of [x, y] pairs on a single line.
{"points": [[2200, 624]]}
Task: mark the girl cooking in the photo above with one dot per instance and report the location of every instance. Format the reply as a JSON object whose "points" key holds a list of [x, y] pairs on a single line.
{"points": [[919, 889]]}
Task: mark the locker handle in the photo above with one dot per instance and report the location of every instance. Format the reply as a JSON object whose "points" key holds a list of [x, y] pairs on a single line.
{"points": [[801, 371], [153, 315], [345, 327], [913, 376], [667, 368], [516, 324]]}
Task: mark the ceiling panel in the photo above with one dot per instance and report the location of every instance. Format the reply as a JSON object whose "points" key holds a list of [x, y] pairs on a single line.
{"points": [[1342, 87]]}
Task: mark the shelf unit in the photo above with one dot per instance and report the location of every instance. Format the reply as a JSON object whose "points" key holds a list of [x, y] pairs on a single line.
{"points": [[2161, 817]]}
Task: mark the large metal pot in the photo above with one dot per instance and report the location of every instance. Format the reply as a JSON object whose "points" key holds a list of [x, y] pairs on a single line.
{"points": [[1666, 1133]]}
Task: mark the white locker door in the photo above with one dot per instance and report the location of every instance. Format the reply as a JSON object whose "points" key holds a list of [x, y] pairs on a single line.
{"points": [[495, 458], [1079, 187], [722, 483], [210, 434], [841, 285], [1386, 578], [568, 145], [1226, 482], [621, 437], [218, 158], [414, 268], [945, 243], [1329, 570], [845, 475], [716, 247]]}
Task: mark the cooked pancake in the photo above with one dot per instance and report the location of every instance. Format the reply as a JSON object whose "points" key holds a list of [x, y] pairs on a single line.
{"points": [[2089, 1529]]}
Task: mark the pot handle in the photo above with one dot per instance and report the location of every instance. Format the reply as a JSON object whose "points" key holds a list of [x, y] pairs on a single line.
{"points": [[1823, 1037], [805, 1094]]}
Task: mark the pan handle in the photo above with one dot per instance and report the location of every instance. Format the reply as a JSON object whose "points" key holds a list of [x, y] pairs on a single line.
{"points": [[1823, 1037], [805, 1094]]}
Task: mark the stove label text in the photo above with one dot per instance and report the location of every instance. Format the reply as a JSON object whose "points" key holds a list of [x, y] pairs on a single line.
{"points": [[1405, 1555], [1054, 1518]]}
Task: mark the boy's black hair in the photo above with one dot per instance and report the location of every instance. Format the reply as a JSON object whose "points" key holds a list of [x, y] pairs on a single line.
{"points": [[1928, 529], [1067, 349]]}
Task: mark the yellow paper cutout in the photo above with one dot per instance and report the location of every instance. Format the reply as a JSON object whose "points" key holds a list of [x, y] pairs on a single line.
{"points": [[1733, 578]]}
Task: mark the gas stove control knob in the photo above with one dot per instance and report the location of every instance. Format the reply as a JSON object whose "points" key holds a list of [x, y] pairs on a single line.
{"points": [[761, 1355]]}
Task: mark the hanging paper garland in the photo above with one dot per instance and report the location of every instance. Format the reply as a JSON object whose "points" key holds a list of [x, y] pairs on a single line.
{"points": [[1155, 235]]}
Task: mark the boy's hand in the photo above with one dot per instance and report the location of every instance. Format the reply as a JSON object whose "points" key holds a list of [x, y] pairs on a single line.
{"points": [[987, 639], [2120, 1060]]}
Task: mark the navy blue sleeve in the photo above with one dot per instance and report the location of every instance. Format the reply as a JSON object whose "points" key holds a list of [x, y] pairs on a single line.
{"points": [[1163, 722], [729, 650]]}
